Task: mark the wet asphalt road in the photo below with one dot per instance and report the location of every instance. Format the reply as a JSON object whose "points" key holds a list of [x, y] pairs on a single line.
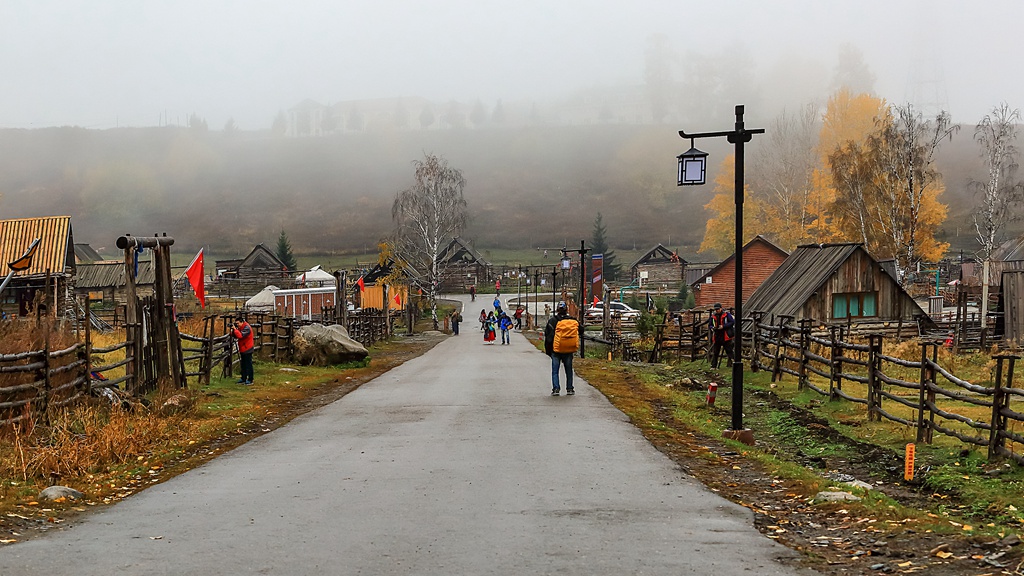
{"points": [[456, 463]]}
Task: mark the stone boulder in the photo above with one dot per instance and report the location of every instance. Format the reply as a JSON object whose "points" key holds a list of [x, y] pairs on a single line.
{"points": [[319, 345], [58, 492]]}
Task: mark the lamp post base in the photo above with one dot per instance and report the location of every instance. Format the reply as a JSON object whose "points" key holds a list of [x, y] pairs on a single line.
{"points": [[745, 436]]}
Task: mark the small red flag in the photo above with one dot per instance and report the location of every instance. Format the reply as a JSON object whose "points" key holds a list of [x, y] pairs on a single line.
{"points": [[194, 273], [596, 301], [398, 299], [360, 283]]}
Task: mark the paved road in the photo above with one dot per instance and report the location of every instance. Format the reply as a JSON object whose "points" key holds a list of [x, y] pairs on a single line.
{"points": [[456, 463]]}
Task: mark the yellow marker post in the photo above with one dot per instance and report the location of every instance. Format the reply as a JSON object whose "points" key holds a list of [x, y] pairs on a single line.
{"points": [[908, 463]]}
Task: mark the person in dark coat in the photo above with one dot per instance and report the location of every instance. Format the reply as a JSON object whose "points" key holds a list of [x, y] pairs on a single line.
{"points": [[720, 327]]}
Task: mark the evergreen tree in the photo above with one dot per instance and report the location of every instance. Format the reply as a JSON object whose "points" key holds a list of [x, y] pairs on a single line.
{"points": [[600, 246], [284, 251]]}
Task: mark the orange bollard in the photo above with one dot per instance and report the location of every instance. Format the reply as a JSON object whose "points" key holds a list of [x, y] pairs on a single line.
{"points": [[712, 393]]}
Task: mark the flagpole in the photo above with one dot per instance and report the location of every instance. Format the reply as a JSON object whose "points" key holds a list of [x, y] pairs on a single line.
{"points": [[17, 264]]}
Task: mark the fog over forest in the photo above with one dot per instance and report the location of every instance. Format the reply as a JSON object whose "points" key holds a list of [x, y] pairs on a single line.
{"points": [[526, 186], [553, 113]]}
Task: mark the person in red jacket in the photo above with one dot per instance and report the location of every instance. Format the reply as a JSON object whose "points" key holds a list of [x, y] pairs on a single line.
{"points": [[242, 332]]}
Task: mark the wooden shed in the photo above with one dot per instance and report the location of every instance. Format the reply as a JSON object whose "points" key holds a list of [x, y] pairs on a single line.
{"points": [[833, 282], [304, 303], [1011, 303], [54, 255], [659, 268], [463, 266], [260, 265], [760, 259], [105, 282]]}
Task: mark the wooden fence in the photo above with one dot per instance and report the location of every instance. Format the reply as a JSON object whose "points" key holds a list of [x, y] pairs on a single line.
{"points": [[844, 362], [33, 382], [930, 396]]}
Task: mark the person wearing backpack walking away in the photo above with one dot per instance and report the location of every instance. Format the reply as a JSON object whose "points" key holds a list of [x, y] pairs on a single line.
{"points": [[561, 341], [472, 293], [721, 325], [483, 320], [242, 332], [455, 319], [504, 324]]}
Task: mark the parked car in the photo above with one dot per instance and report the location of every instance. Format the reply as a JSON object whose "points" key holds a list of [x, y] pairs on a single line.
{"points": [[618, 310]]}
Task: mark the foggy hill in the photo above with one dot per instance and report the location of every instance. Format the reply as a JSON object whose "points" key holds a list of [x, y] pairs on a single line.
{"points": [[526, 186]]}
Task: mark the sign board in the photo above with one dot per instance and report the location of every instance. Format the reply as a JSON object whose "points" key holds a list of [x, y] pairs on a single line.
{"points": [[908, 463]]}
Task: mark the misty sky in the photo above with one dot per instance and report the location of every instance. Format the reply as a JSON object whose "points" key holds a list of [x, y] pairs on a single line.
{"points": [[105, 63]]}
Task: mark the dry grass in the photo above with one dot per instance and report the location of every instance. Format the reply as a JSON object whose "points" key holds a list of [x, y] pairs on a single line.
{"points": [[88, 439]]}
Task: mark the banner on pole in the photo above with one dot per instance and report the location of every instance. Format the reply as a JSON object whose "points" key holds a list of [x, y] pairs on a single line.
{"points": [[597, 276]]}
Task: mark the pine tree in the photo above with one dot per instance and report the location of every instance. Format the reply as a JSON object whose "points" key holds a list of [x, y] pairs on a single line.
{"points": [[284, 251], [600, 246]]}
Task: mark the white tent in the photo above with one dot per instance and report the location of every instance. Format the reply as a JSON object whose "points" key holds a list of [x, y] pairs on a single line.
{"points": [[315, 276], [262, 302]]}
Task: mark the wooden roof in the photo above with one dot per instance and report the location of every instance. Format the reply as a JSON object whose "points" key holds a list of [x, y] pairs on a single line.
{"points": [[110, 275], [260, 257], [756, 239], [458, 250], [804, 272], [56, 245], [657, 255], [85, 253], [1012, 249]]}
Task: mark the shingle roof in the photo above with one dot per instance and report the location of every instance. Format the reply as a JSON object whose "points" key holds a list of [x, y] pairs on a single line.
{"points": [[792, 284], [110, 275], [55, 251], [658, 252]]}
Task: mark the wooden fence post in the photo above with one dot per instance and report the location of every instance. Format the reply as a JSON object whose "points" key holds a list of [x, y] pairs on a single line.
{"points": [[924, 431], [1000, 400], [835, 364], [45, 375], [805, 344], [874, 366], [88, 347], [755, 350]]}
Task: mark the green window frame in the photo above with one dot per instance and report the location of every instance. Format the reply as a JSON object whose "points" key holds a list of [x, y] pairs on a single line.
{"points": [[854, 305]]}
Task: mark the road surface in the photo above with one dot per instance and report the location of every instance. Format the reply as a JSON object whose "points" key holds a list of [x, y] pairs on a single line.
{"points": [[455, 463]]}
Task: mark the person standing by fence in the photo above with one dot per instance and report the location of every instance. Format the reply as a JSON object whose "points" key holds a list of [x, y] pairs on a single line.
{"points": [[242, 332], [721, 325]]}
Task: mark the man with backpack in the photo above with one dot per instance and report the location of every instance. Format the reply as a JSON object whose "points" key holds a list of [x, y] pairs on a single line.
{"points": [[561, 341]]}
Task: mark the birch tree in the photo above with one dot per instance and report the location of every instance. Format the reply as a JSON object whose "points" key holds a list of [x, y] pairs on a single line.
{"points": [[997, 134], [427, 216], [907, 211]]}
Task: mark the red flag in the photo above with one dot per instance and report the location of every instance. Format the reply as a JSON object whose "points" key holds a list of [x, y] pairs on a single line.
{"points": [[398, 299], [360, 283], [596, 301], [195, 276]]}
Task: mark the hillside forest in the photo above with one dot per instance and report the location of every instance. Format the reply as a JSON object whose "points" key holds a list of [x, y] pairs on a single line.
{"points": [[526, 186]]}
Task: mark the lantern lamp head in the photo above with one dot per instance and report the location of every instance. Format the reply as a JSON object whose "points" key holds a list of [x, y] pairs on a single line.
{"points": [[692, 167]]}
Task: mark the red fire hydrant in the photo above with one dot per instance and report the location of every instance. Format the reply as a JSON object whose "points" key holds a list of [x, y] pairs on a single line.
{"points": [[712, 393]]}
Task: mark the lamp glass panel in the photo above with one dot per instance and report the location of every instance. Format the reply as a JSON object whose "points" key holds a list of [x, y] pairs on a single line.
{"points": [[693, 170]]}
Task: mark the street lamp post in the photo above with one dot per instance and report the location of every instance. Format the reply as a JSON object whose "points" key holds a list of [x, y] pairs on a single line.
{"points": [[691, 171], [583, 284]]}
